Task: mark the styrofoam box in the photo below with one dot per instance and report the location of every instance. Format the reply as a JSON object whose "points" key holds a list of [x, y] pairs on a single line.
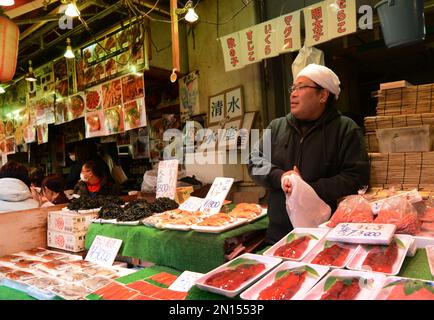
{"points": [[64, 221], [73, 242], [405, 139]]}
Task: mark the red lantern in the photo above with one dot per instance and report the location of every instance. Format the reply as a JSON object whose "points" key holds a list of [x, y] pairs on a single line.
{"points": [[9, 36]]}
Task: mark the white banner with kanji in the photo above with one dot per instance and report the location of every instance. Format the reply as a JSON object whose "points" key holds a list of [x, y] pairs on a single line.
{"points": [[232, 51], [288, 32], [249, 45], [267, 39], [315, 19], [341, 17]]}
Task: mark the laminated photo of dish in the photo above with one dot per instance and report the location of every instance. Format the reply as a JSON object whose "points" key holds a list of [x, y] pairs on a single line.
{"points": [[79, 66], [110, 44], [111, 94], [113, 119], [62, 88], [76, 107], [60, 111], [137, 54], [123, 38], [132, 87], [19, 135], [88, 54], [42, 133], [99, 71], [9, 127], [60, 69], [133, 111], [29, 134], [110, 67], [98, 51], [89, 75], [94, 122], [122, 60], [10, 145], [2, 129], [93, 99], [2, 146]]}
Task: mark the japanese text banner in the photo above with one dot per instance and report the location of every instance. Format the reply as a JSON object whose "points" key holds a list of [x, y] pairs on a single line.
{"points": [[267, 39], [315, 18], [288, 32], [249, 45], [232, 51], [341, 17]]}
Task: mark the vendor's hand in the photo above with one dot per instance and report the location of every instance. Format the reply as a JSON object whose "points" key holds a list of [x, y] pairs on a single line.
{"points": [[285, 182]]}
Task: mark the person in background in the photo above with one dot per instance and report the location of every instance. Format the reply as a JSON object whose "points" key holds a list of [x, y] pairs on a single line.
{"points": [[15, 191], [36, 176], [93, 181], [84, 151], [52, 191], [314, 141]]}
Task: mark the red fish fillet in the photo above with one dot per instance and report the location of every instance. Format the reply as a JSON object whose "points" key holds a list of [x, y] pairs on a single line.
{"points": [[293, 249], [231, 279], [284, 288]]}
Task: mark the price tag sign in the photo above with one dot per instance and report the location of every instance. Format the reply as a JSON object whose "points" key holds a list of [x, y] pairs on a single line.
{"points": [[167, 177], [216, 195], [103, 250], [191, 204], [185, 281], [364, 233]]}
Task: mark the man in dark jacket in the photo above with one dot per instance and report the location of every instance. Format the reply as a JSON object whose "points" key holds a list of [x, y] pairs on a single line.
{"points": [[315, 141]]}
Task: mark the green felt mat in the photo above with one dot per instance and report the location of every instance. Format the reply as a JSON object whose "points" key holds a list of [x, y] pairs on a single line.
{"points": [[182, 250]]}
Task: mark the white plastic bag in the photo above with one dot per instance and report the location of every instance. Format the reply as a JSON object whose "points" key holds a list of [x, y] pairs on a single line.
{"points": [[305, 209], [149, 184], [306, 56]]}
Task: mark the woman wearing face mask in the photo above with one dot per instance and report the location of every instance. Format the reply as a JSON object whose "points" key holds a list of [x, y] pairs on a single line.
{"points": [[93, 182], [52, 190]]}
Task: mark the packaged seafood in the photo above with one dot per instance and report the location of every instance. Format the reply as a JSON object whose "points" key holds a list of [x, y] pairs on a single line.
{"points": [[342, 284], [289, 281], [70, 291], [430, 256], [94, 283], [329, 253], [354, 208], [234, 276], [296, 244], [397, 288], [384, 259]]}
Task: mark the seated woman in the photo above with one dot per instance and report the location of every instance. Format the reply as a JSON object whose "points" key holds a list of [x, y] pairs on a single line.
{"points": [[52, 190], [15, 193], [93, 181]]}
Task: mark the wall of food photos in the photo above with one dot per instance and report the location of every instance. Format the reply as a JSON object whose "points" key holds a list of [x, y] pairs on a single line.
{"points": [[98, 86]]}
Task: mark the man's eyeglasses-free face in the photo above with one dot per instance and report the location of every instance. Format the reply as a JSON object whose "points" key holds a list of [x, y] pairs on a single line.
{"points": [[301, 87]]}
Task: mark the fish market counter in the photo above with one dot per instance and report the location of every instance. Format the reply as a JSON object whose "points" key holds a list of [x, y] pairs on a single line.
{"points": [[182, 250]]}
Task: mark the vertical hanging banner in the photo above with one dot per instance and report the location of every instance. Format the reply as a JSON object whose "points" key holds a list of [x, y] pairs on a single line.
{"points": [[288, 32], [249, 45], [232, 51], [267, 39], [341, 17], [315, 19]]}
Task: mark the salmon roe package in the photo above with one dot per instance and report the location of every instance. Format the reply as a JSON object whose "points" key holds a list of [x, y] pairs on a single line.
{"points": [[354, 208], [400, 212]]}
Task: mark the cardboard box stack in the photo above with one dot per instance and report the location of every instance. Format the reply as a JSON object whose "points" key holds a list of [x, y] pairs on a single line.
{"points": [[400, 137], [67, 229]]}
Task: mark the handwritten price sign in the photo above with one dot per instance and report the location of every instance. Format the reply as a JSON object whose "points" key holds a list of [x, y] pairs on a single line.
{"points": [[216, 195], [167, 177], [103, 250], [191, 204], [365, 233]]}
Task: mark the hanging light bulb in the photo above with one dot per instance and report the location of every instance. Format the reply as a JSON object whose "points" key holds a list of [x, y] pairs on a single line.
{"points": [[30, 76], [72, 10], [191, 15], [7, 3], [68, 53]]}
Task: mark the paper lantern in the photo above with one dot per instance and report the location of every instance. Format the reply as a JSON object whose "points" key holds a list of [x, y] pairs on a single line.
{"points": [[9, 36]]}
